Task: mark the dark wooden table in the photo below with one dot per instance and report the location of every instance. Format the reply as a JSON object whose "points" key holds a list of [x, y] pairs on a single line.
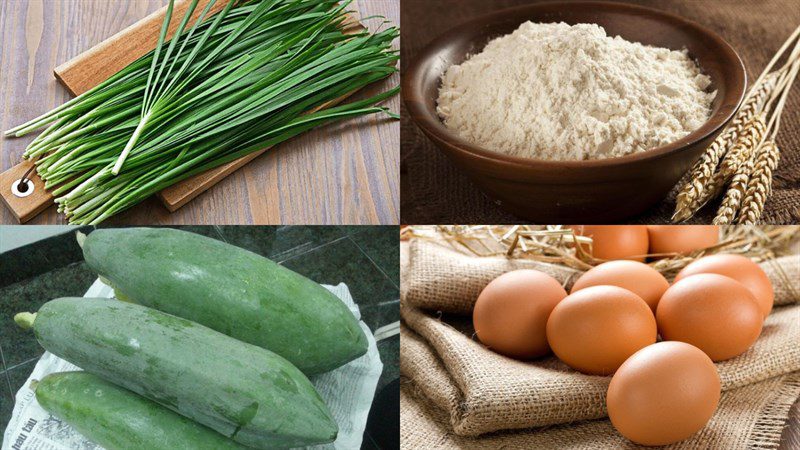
{"points": [[345, 173], [435, 192]]}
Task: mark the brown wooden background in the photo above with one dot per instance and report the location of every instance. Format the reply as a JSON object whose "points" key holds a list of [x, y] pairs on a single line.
{"points": [[435, 192], [341, 174]]}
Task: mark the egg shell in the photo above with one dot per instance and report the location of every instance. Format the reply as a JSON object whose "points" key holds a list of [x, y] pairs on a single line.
{"points": [[663, 394], [615, 241], [741, 269], [596, 329], [634, 276], [714, 313], [681, 238], [510, 315]]}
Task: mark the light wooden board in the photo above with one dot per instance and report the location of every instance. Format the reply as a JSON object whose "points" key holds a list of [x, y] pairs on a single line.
{"points": [[356, 183], [97, 64], [84, 72], [27, 207]]}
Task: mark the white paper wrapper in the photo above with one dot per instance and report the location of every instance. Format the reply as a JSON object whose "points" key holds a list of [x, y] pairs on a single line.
{"points": [[348, 391]]}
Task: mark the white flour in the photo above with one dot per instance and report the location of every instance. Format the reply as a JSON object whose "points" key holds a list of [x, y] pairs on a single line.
{"points": [[561, 92]]}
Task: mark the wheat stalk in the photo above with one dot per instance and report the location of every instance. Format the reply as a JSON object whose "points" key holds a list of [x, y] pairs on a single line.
{"points": [[749, 138], [733, 198], [700, 186], [705, 182], [759, 185]]}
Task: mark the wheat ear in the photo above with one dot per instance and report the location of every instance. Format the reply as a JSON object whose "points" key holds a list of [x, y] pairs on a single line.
{"points": [[733, 198], [745, 146], [760, 184], [702, 173], [698, 189], [759, 187], [749, 138]]}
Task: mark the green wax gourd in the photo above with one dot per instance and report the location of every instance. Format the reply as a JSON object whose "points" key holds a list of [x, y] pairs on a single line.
{"points": [[119, 419], [244, 392], [231, 290]]}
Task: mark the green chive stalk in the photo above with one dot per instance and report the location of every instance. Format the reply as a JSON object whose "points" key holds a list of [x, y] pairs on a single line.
{"points": [[221, 88]]}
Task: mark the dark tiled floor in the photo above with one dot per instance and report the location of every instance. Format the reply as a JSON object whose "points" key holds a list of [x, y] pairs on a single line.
{"points": [[389, 349], [365, 258], [28, 261], [28, 295], [374, 242], [14, 377]]}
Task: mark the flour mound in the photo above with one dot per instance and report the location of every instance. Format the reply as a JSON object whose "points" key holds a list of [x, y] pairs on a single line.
{"points": [[559, 92]]}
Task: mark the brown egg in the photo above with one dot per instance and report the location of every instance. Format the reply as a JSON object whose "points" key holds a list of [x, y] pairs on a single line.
{"points": [[714, 313], [663, 394], [681, 238], [634, 276], [615, 241], [510, 315], [595, 329], [741, 269]]}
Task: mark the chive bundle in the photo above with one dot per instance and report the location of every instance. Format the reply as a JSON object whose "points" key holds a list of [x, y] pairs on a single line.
{"points": [[225, 87]]}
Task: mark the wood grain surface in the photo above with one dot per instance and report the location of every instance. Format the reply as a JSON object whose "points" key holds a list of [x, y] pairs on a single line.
{"points": [[435, 192], [29, 206], [345, 173]]}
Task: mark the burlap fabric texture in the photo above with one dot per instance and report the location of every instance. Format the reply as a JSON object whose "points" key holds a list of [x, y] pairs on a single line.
{"points": [[480, 391], [440, 278], [751, 417]]}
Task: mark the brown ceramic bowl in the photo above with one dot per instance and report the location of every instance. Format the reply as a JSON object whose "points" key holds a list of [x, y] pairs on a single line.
{"points": [[595, 191]]}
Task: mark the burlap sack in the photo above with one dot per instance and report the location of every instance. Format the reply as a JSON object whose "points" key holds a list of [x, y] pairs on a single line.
{"points": [[442, 279], [483, 391], [747, 418], [439, 278]]}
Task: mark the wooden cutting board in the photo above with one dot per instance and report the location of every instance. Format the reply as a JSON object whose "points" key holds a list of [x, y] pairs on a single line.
{"points": [[92, 67]]}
